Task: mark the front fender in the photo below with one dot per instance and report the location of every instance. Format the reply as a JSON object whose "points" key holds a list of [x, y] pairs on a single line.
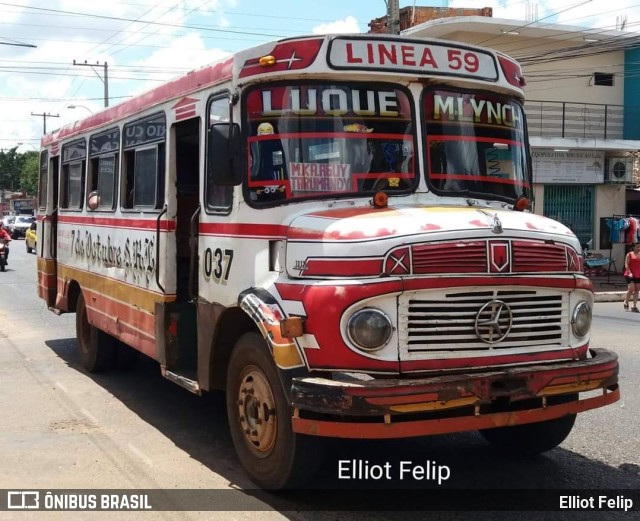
{"points": [[266, 312]]}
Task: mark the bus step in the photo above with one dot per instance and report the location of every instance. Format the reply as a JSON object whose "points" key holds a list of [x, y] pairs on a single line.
{"points": [[182, 381]]}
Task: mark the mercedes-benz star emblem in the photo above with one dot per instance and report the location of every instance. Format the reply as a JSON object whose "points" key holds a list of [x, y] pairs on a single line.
{"points": [[493, 321]]}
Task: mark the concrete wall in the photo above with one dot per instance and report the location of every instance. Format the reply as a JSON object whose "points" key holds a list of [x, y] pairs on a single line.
{"points": [[571, 89]]}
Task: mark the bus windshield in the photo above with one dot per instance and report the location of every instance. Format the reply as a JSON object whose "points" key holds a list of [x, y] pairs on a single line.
{"points": [[475, 144], [315, 140]]}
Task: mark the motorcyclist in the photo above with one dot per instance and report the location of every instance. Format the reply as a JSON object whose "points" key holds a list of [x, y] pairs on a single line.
{"points": [[6, 238]]}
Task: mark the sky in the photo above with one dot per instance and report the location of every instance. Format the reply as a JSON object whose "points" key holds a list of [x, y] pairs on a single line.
{"points": [[145, 42]]}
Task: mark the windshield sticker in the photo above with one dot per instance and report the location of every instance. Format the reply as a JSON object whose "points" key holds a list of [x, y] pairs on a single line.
{"points": [[356, 127], [499, 162], [390, 151], [265, 129], [320, 177], [271, 190]]}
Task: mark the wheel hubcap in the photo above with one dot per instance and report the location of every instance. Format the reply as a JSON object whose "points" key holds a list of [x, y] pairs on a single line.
{"points": [[257, 411]]}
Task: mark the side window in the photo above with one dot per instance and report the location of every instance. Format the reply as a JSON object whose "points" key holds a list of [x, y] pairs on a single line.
{"points": [[145, 178], [43, 185], [73, 171], [103, 170], [143, 166], [218, 198]]}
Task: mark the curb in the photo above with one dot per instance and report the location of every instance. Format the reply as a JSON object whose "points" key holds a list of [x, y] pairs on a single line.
{"points": [[610, 296]]}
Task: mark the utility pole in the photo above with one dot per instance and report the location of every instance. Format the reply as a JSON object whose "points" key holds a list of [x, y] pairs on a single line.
{"points": [[44, 120], [104, 78], [393, 16]]}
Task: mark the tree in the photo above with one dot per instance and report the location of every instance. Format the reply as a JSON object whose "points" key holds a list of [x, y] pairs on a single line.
{"points": [[19, 172], [29, 173], [10, 167]]}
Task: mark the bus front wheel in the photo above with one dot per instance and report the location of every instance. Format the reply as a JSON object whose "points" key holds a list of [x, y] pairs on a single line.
{"points": [[260, 420], [95, 347]]}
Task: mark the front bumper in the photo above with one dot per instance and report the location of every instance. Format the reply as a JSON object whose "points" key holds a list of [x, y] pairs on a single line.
{"points": [[395, 408]]}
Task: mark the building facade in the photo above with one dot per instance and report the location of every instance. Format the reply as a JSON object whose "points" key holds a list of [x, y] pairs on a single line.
{"points": [[583, 120], [416, 15]]}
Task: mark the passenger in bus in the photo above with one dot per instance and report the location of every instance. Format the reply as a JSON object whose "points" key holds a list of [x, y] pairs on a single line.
{"points": [[93, 201]]}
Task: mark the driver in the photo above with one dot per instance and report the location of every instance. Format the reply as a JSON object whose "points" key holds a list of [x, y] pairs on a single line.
{"points": [[4, 236]]}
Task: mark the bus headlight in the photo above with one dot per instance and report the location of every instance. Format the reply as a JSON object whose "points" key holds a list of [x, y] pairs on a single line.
{"points": [[581, 319], [369, 329]]}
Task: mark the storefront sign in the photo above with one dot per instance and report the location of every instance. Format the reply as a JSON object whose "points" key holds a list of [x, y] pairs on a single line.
{"points": [[574, 167]]}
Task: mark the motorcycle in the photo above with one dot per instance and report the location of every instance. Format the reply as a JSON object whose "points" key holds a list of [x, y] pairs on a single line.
{"points": [[4, 248]]}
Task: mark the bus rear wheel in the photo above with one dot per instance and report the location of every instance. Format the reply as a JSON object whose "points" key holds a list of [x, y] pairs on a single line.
{"points": [[534, 438], [260, 420], [96, 348]]}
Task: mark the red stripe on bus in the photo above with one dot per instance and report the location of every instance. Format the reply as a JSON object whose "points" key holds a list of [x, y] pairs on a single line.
{"points": [[336, 135], [333, 267], [118, 222], [270, 231], [308, 234], [488, 178], [185, 115]]}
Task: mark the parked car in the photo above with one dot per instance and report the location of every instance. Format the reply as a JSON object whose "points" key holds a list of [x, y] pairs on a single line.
{"points": [[7, 220], [30, 237], [19, 227]]}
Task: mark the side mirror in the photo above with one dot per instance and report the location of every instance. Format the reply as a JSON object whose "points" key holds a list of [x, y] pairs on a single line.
{"points": [[224, 157]]}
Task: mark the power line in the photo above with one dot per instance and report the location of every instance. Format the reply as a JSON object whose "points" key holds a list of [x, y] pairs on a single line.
{"points": [[133, 78], [123, 19], [157, 30], [533, 22], [18, 44]]}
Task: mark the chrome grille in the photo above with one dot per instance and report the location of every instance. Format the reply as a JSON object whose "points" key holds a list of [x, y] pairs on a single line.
{"points": [[447, 323], [449, 257], [472, 256], [528, 257]]}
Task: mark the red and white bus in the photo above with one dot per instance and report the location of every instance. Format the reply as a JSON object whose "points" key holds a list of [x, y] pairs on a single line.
{"points": [[334, 230]]}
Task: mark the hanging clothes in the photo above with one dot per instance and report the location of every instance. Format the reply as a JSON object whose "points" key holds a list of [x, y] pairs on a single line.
{"points": [[616, 229], [632, 229]]}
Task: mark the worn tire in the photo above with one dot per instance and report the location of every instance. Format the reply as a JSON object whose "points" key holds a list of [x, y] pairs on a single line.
{"points": [[271, 453], [533, 438], [96, 348]]}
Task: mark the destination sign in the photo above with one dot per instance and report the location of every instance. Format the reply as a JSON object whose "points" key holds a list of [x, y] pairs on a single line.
{"points": [[412, 57]]}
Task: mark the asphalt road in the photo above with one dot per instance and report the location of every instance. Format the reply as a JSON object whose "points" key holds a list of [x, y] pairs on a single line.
{"points": [[62, 428]]}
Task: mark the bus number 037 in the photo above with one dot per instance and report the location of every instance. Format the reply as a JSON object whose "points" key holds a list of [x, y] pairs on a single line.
{"points": [[217, 264]]}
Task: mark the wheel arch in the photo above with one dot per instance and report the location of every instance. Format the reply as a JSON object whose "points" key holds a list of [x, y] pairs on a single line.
{"points": [[230, 325], [67, 299], [257, 311]]}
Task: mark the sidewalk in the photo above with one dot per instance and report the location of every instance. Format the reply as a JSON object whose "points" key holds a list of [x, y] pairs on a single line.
{"points": [[611, 290]]}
